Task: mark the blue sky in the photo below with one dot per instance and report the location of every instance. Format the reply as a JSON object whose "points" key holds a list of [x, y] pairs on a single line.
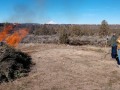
{"points": [[60, 11]]}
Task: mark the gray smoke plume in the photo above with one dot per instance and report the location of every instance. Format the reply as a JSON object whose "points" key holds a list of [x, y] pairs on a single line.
{"points": [[22, 14], [39, 13]]}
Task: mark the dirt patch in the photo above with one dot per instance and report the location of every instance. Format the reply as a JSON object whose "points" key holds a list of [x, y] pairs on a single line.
{"points": [[64, 67]]}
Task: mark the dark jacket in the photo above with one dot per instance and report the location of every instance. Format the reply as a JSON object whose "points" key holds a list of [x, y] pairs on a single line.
{"points": [[114, 40]]}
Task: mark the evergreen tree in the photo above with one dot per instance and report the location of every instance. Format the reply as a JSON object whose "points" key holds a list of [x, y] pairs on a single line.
{"points": [[104, 28]]}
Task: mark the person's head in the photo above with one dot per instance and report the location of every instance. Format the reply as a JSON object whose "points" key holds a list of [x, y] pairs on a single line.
{"points": [[114, 33]]}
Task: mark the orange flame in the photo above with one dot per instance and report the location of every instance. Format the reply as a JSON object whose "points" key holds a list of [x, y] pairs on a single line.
{"points": [[5, 32], [13, 39]]}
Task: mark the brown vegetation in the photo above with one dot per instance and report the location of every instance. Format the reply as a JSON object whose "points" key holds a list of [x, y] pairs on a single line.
{"points": [[13, 63], [97, 35]]}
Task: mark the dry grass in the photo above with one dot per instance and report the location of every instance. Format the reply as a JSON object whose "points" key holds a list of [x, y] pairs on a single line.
{"points": [[64, 67]]}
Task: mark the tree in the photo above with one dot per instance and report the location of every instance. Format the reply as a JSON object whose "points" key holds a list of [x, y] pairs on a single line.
{"points": [[104, 28], [63, 38]]}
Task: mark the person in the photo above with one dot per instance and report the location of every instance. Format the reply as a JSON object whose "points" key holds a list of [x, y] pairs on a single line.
{"points": [[114, 46], [118, 51]]}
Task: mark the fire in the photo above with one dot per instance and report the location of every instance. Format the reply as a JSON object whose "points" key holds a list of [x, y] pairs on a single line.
{"points": [[5, 32], [15, 38]]}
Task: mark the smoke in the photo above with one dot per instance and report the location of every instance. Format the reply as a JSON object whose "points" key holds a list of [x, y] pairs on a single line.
{"points": [[43, 7], [12, 39], [40, 11], [22, 13]]}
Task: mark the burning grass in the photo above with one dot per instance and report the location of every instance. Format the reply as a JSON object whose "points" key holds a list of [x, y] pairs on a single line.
{"points": [[14, 38], [13, 63]]}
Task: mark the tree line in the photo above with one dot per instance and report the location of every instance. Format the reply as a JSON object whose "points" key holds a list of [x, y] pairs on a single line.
{"points": [[70, 29]]}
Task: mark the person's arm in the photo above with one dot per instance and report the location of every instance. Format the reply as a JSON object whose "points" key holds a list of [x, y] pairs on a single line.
{"points": [[118, 40], [111, 41]]}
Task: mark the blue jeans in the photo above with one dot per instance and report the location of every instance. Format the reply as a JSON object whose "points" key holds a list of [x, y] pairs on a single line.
{"points": [[114, 51], [118, 57]]}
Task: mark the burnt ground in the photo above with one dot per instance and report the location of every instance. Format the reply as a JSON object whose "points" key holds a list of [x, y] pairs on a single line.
{"points": [[64, 67]]}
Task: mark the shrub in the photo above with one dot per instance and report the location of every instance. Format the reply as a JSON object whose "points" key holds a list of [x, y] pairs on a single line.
{"points": [[63, 38]]}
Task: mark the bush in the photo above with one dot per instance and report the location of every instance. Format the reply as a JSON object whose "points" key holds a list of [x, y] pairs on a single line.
{"points": [[63, 38]]}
